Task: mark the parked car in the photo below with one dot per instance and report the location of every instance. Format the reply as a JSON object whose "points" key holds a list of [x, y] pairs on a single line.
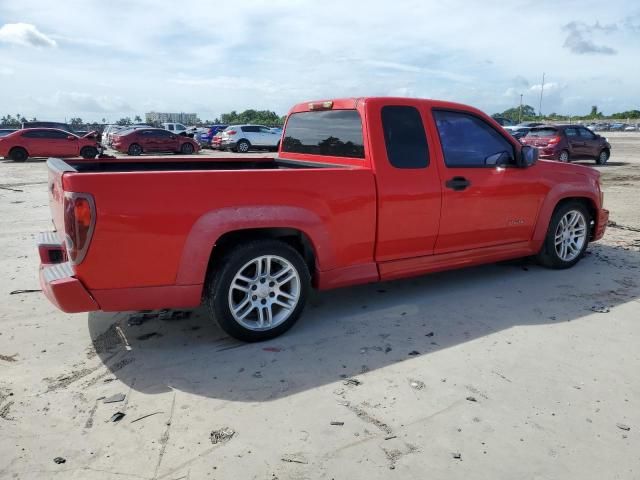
{"points": [[216, 141], [206, 137], [601, 127], [6, 131], [356, 195], [136, 141], [617, 127], [46, 142], [631, 128], [242, 138], [177, 128], [518, 132], [568, 142]]}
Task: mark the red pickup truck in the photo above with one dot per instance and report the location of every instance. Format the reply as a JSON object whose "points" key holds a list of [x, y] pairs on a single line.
{"points": [[361, 190]]}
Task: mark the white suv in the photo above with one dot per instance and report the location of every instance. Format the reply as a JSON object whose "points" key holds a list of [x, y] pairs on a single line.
{"points": [[242, 138]]}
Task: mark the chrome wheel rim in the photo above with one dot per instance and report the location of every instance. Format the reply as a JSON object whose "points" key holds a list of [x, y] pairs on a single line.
{"points": [[570, 235], [264, 292], [564, 157], [187, 148], [603, 157], [243, 147]]}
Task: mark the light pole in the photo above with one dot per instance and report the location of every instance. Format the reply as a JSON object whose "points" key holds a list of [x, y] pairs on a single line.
{"points": [[520, 110], [541, 92]]}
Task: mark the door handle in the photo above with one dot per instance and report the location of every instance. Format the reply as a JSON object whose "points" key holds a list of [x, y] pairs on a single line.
{"points": [[457, 183]]}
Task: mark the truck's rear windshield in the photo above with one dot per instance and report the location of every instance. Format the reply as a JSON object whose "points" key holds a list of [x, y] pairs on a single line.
{"points": [[336, 133]]}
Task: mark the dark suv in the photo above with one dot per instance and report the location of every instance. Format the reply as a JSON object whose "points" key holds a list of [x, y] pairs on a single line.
{"points": [[568, 142]]}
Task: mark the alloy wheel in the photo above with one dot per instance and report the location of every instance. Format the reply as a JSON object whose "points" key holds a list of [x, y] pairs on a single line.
{"points": [[570, 235]]}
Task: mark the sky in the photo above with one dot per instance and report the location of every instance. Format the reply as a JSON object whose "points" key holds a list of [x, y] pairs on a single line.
{"points": [[112, 58]]}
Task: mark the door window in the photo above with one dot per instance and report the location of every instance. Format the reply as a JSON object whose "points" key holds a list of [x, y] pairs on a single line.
{"points": [[32, 134], [171, 127], [54, 134], [571, 132], [586, 134], [468, 141], [404, 137]]}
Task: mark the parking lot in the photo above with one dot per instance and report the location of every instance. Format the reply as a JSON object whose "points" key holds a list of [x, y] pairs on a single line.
{"points": [[501, 371]]}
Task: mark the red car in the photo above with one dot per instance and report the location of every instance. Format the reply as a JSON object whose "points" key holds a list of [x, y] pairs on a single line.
{"points": [[47, 142], [362, 190], [152, 140], [568, 142]]}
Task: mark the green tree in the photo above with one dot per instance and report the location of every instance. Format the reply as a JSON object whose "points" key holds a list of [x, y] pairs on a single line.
{"points": [[76, 122], [124, 121], [262, 117], [513, 114], [137, 119]]}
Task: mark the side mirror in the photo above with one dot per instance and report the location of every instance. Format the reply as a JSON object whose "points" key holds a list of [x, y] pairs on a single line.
{"points": [[528, 156]]}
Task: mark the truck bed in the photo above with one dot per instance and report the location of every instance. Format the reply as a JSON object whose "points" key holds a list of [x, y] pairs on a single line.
{"points": [[164, 164]]}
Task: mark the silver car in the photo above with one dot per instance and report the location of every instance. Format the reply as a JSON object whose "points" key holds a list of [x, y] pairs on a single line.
{"points": [[242, 138]]}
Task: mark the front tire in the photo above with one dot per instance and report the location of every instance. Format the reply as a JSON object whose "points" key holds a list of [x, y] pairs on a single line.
{"points": [[259, 290], [134, 150], [602, 158], [186, 149], [89, 152], [567, 236], [18, 154]]}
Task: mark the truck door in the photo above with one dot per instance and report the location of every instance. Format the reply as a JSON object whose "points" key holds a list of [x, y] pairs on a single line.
{"points": [[487, 200], [408, 185]]}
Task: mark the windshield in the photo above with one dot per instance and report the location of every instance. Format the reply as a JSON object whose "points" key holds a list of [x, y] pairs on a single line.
{"points": [[542, 132]]}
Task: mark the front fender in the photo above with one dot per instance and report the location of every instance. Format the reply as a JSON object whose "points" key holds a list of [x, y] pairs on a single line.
{"points": [[212, 225], [560, 192]]}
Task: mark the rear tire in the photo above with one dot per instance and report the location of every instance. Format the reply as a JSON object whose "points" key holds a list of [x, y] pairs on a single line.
{"points": [[567, 236], [18, 154], [89, 152], [186, 149], [134, 150], [258, 290], [243, 146], [602, 158], [564, 156]]}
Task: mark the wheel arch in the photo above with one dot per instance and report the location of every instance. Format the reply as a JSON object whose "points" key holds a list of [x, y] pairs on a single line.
{"points": [[216, 232], [18, 147]]}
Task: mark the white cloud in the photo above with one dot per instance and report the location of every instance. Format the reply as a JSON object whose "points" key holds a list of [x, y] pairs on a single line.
{"points": [[6, 71], [25, 34]]}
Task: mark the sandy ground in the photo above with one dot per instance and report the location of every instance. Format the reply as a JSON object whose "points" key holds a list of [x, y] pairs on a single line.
{"points": [[498, 372]]}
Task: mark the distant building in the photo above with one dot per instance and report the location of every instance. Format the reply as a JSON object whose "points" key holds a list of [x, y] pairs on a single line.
{"points": [[161, 117]]}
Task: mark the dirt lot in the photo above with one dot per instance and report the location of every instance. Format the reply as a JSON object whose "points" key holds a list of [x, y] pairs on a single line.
{"points": [[498, 372]]}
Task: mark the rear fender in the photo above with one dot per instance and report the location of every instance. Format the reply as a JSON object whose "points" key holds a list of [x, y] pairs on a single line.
{"points": [[212, 225]]}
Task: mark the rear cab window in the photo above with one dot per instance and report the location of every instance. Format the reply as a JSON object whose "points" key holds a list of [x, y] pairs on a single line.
{"points": [[404, 136], [332, 133]]}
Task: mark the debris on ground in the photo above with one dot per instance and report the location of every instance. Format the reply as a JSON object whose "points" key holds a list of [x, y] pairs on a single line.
{"points": [[59, 460], [622, 426], [600, 308], [9, 358], [416, 384], [118, 397], [18, 292], [116, 417], [472, 399], [257, 375], [222, 435], [352, 381], [457, 455], [387, 349], [145, 416], [272, 349], [337, 424], [294, 458], [390, 437], [413, 353], [430, 334]]}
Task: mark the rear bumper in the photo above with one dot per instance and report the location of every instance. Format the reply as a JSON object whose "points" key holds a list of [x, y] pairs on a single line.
{"points": [[64, 290], [603, 220], [228, 144]]}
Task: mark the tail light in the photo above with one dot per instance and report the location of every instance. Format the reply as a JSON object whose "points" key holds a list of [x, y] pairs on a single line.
{"points": [[554, 140], [79, 222], [231, 132]]}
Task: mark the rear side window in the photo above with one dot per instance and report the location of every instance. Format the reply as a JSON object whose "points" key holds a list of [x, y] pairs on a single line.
{"points": [[250, 129], [542, 132], [336, 133], [57, 134], [32, 134], [170, 127], [468, 141], [404, 137]]}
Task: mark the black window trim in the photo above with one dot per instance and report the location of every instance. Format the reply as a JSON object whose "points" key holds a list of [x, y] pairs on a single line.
{"points": [[505, 135]]}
